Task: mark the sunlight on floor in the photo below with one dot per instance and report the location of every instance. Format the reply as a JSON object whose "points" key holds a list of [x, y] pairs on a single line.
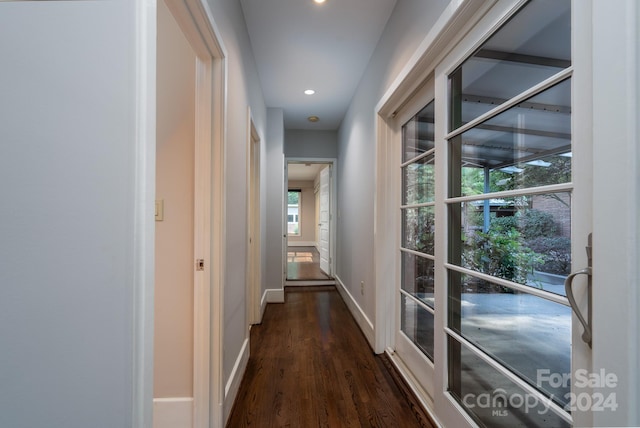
{"points": [[299, 257]]}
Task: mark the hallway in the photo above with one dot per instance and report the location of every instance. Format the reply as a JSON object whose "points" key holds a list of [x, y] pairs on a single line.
{"points": [[311, 366], [303, 263]]}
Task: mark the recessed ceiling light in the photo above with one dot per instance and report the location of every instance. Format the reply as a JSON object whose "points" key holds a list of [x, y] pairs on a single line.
{"points": [[313, 118], [319, 1], [309, 92]]}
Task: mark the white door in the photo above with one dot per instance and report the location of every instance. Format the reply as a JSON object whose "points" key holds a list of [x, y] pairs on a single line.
{"points": [[494, 214], [414, 295], [254, 286], [516, 174], [325, 218]]}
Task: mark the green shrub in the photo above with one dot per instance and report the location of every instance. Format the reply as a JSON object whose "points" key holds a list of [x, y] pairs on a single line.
{"points": [[501, 253], [536, 223], [556, 252], [530, 223]]}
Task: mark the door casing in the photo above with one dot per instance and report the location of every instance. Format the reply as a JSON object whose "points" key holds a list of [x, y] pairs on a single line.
{"points": [[196, 21], [332, 214], [456, 21]]}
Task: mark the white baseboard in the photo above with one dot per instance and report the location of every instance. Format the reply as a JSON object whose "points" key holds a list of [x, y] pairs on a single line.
{"points": [[361, 318], [273, 295], [173, 412], [425, 400], [313, 282], [302, 244], [233, 384], [270, 296], [263, 305]]}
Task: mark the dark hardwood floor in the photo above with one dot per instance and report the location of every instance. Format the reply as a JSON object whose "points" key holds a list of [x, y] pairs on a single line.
{"points": [[303, 264], [311, 366]]}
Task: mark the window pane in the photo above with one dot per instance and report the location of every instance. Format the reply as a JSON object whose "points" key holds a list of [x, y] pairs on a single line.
{"points": [[531, 47], [524, 332], [417, 277], [417, 134], [418, 181], [293, 212], [491, 398], [418, 228], [528, 145], [528, 239], [417, 323]]}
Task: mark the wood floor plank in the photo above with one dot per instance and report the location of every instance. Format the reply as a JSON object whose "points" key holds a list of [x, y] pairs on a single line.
{"points": [[303, 264], [311, 366]]}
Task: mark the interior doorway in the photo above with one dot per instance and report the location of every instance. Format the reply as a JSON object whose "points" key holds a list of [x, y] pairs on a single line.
{"points": [[254, 285], [309, 214], [189, 217]]}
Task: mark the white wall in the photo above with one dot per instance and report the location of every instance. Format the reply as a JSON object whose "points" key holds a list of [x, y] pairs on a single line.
{"points": [[407, 27], [243, 92], [174, 263], [310, 144], [68, 214], [275, 199]]}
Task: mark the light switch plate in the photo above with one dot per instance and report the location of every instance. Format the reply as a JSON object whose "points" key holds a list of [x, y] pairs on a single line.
{"points": [[159, 209]]}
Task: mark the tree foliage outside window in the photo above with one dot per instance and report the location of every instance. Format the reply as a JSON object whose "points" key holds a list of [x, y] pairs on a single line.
{"points": [[293, 197]]}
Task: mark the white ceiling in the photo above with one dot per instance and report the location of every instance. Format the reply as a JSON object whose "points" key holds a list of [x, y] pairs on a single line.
{"points": [[298, 45], [303, 171]]}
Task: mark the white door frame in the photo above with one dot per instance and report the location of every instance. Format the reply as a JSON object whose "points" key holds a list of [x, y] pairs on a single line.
{"points": [[332, 212], [326, 178], [455, 22], [144, 193], [196, 22], [254, 260], [613, 92]]}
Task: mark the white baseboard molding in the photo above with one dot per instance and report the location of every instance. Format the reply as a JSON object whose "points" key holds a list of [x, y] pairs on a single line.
{"points": [[233, 384], [425, 400], [174, 412], [309, 283], [263, 305], [361, 318], [302, 244], [273, 295]]}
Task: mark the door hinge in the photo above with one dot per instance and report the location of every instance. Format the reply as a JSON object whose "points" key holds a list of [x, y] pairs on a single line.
{"points": [[200, 264]]}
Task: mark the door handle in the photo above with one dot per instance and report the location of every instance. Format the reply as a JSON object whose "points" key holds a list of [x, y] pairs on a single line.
{"points": [[568, 287]]}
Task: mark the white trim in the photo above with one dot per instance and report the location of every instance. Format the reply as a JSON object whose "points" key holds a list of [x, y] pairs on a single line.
{"points": [[333, 212], [309, 283], [534, 291], [202, 245], [235, 378], [414, 385], [270, 296], [509, 375], [454, 22], [358, 314], [459, 19], [196, 22], [208, 29], [557, 78], [254, 262], [302, 244], [173, 412], [143, 264], [273, 295], [263, 306], [530, 191], [615, 61]]}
